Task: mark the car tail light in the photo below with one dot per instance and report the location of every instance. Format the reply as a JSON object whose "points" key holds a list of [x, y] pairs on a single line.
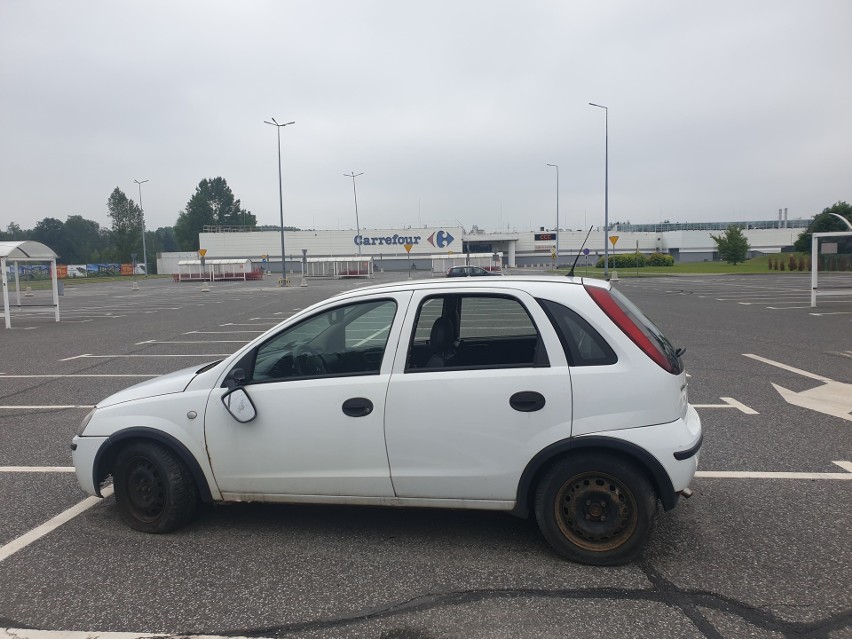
{"points": [[637, 327]]}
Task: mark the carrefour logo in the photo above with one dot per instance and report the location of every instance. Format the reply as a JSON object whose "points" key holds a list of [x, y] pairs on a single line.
{"points": [[440, 239]]}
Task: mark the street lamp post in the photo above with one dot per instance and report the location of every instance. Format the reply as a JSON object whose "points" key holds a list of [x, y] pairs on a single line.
{"points": [[280, 196], [556, 166], [606, 187], [353, 175], [142, 211]]}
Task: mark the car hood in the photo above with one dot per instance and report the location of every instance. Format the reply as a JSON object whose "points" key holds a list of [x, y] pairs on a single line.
{"points": [[166, 384]]}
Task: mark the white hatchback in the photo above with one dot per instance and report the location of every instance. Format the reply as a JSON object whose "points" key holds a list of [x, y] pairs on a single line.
{"points": [[549, 395]]}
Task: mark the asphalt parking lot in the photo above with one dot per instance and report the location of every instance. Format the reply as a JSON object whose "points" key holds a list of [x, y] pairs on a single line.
{"points": [[763, 548]]}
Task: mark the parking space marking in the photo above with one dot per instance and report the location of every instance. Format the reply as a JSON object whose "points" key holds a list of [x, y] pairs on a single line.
{"points": [[8, 376], [31, 633], [785, 367], [220, 341], [738, 474], [36, 469], [220, 332], [90, 356], [255, 324], [730, 402], [51, 524], [46, 406]]}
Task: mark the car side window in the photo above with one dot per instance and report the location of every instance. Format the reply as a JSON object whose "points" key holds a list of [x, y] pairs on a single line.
{"points": [[472, 332], [582, 344], [346, 340]]}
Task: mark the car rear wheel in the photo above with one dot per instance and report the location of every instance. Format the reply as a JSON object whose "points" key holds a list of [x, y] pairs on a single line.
{"points": [[154, 490], [596, 509]]}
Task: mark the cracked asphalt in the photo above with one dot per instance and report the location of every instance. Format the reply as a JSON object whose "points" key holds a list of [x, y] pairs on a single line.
{"points": [[763, 558]]}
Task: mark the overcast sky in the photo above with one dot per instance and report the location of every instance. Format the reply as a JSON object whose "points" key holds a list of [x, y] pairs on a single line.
{"points": [[717, 110]]}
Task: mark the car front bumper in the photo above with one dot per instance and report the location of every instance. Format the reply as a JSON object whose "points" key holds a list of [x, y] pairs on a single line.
{"points": [[84, 452]]}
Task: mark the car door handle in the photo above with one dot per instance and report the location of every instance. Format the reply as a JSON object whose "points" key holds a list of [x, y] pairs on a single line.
{"points": [[357, 407], [527, 401]]}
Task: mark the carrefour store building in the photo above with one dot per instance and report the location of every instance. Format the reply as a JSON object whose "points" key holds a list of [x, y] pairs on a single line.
{"points": [[435, 248]]}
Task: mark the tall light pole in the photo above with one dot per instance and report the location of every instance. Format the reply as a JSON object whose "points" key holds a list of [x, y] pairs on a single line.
{"points": [[280, 196], [606, 187], [556, 166], [142, 211], [353, 175]]}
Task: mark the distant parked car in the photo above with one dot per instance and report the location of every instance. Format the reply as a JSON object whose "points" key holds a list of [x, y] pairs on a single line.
{"points": [[469, 271], [547, 395]]}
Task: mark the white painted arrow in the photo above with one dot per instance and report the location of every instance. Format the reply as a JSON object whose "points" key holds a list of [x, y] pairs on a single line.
{"points": [[832, 398]]}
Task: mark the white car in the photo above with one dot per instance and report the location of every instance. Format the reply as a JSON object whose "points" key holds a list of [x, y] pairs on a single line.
{"points": [[549, 395]]}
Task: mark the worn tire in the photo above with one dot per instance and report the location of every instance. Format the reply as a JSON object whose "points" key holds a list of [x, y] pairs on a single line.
{"points": [[154, 490], [596, 509]]}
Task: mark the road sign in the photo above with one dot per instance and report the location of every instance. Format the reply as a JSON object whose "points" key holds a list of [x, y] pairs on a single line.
{"points": [[613, 239], [408, 247], [202, 252]]}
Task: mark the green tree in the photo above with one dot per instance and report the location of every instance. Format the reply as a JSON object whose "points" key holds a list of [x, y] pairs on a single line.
{"points": [[85, 241], [126, 219], [14, 233], [50, 232], [732, 245], [212, 204], [824, 223]]}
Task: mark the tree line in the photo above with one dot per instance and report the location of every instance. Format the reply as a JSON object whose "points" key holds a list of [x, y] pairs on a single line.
{"points": [[81, 241], [78, 240]]}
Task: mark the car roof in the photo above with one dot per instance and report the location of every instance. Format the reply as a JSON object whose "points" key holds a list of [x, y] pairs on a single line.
{"points": [[507, 282]]}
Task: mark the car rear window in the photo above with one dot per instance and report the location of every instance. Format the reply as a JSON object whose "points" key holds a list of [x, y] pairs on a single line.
{"points": [[583, 345]]}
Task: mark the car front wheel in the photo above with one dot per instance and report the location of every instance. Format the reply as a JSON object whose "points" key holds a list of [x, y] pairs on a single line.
{"points": [[154, 491], [596, 509]]}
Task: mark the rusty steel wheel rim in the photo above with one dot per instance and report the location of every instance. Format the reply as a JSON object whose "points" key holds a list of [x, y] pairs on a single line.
{"points": [[596, 511], [145, 489]]}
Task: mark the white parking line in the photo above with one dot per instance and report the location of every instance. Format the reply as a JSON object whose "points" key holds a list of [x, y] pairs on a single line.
{"points": [[785, 367], [221, 341], [736, 474], [220, 332], [254, 324], [8, 376], [29, 633], [50, 525], [730, 402], [45, 406], [90, 356], [36, 469]]}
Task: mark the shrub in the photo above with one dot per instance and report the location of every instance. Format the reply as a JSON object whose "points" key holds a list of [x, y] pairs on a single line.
{"points": [[792, 263], [660, 259], [634, 260]]}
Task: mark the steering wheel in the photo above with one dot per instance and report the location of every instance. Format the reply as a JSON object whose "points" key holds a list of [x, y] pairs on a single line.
{"points": [[308, 361]]}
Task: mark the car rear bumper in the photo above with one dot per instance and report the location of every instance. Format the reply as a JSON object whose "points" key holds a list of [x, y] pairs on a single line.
{"points": [[676, 446]]}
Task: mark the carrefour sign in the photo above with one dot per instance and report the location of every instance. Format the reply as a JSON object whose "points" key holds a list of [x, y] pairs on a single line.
{"points": [[438, 239]]}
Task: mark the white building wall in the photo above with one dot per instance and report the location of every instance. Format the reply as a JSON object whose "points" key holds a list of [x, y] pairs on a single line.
{"points": [[374, 242], [389, 244]]}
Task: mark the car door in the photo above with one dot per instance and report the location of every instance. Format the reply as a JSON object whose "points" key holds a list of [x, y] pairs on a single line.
{"points": [[463, 423], [318, 389]]}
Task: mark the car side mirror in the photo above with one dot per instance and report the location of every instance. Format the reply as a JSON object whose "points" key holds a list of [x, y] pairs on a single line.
{"points": [[239, 404]]}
